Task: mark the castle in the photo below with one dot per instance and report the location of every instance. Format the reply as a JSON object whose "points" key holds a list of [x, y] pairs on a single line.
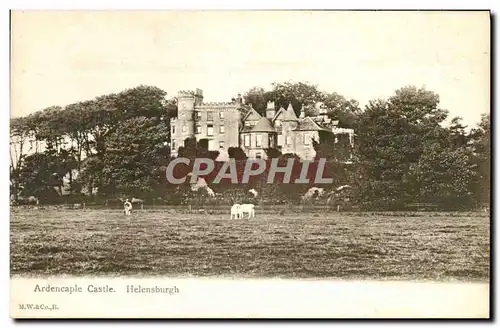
{"points": [[235, 124]]}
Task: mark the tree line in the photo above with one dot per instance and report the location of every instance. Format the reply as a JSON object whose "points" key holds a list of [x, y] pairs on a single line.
{"points": [[119, 144]]}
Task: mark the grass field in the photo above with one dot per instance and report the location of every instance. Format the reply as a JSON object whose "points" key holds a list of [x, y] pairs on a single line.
{"points": [[436, 246]]}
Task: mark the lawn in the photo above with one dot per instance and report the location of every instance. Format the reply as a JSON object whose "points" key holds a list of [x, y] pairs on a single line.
{"points": [[436, 246]]}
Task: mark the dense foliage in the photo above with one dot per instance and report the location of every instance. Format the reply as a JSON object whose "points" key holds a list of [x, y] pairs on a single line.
{"points": [[118, 145]]}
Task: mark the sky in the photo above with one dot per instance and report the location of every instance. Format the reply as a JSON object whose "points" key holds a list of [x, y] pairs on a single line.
{"points": [[60, 57]]}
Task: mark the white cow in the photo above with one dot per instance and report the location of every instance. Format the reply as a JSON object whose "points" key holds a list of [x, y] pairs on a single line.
{"points": [[127, 207], [247, 208], [235, 211], [314, 191]]}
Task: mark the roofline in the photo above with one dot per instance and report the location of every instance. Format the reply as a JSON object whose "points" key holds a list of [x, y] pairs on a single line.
{"points": [[248, 114], [277, 113], [319, 128]]}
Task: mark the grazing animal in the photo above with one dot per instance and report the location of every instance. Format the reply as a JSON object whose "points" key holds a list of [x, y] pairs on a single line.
{"points": [[138, 201], [235, 211], [253, 192], [127, 207], [247, 208], [32, 200], [313, 192]]}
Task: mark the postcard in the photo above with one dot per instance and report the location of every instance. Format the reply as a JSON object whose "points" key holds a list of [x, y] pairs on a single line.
{"points": [[250, 164]]}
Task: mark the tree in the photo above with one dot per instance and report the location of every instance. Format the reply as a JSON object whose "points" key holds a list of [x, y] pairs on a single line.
{"points": [[91, 174], [446, 175], [19, 134], [273, 152], [143, 100], [391, 139], [237, 153], [305, 94], [40, 175], [297, 93], [258, 97], [458, 137], [193, 149], [341, 109], [481, 147], [135, 152]]}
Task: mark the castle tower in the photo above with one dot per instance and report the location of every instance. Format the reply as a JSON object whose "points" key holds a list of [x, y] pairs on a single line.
{"points": [[290, 114], [185, 115], [270, 110], [290, 122]]}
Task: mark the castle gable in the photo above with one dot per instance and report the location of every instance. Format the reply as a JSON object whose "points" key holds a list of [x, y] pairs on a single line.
{"points": [[252, 115], [307, 124], [264, 125], [250, 120]]}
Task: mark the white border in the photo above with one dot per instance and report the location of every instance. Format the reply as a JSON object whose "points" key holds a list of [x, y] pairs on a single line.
{"points": [[186, 4], [257, 4]]}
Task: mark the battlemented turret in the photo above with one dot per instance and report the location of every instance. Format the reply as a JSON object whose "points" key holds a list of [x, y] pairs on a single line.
{"points": [[186, 121]]}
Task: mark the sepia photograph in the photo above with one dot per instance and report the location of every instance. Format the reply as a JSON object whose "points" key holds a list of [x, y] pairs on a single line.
{"points": [[250, 164]]}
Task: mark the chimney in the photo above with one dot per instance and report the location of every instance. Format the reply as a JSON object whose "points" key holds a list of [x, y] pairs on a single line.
{"points": [[238, 99], [302, 112], [270, 110], [198, 96]]}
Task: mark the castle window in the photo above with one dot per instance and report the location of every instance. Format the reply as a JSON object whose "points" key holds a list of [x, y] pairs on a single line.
{"points": [[246, 140], [288, 140], [198, 115], [210, 116], [221, 144], [210, 130], [247, 123], [173, 129], [173, 144], [221, 129], [280, 140], [258, 155], [184, 129], [198, 129], [221, 114], [307, 139], [258, 141]]}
